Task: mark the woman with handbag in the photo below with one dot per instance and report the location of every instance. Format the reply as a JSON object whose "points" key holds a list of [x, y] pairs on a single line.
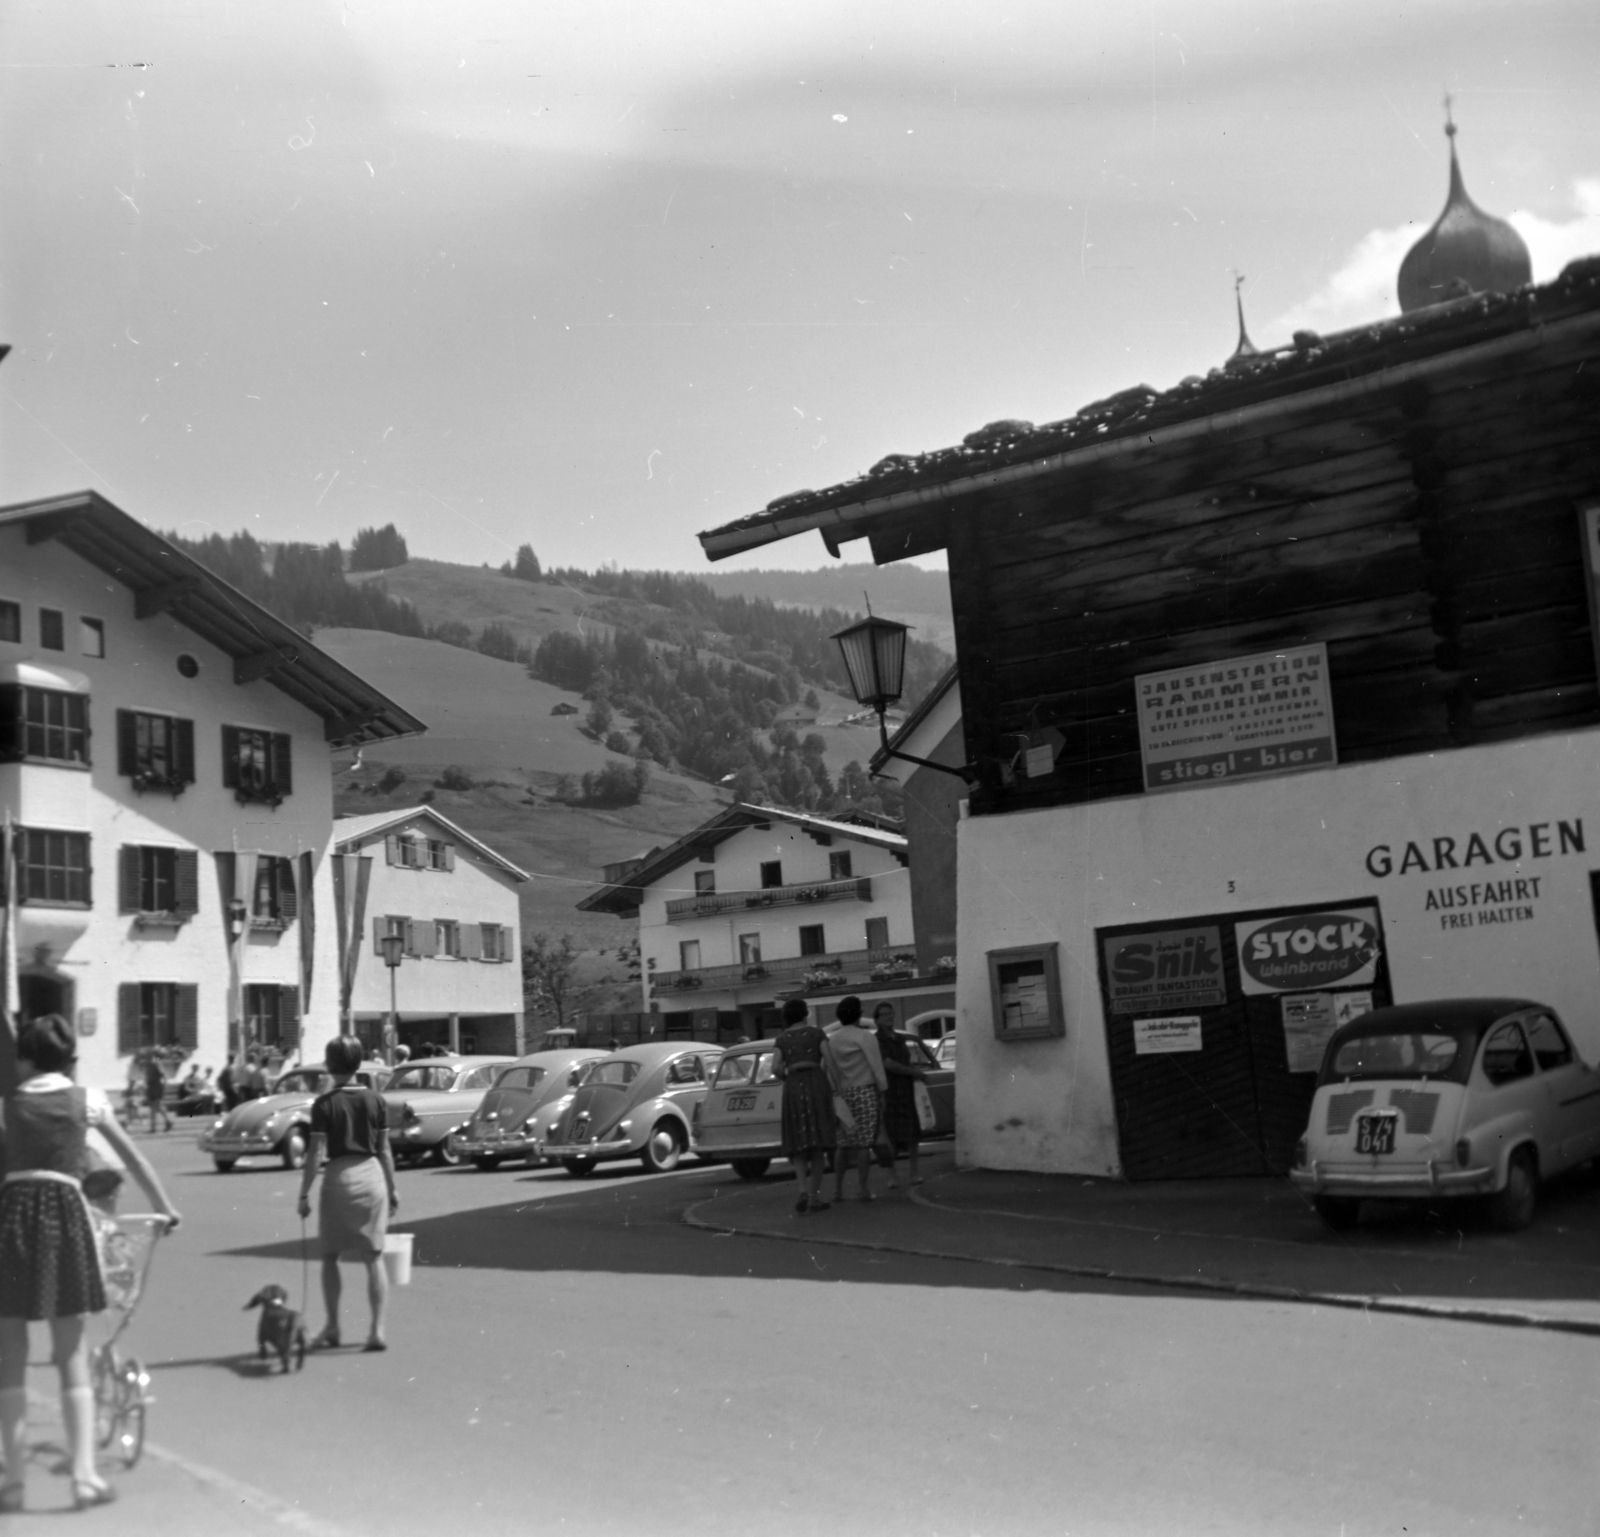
{"points": [[902, 1127], [808, 1130], [855, 1069]]}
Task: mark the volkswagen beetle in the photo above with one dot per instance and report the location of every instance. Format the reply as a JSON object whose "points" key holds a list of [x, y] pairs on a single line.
{"points": [[515, 1116], [634, 1103], [1460, 1097], [429, 1099], [278, 1125]]}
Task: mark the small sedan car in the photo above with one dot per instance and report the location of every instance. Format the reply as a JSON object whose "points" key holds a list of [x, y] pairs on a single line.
{"points": [[432, 1098], [634, 1103], [515, 1116], [1460, 1097], [278, 1125], [740, 1121]]}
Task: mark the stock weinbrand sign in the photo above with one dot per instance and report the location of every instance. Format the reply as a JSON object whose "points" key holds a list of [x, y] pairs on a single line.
{"points": [[1242, 718], [1305, 952], [1161, 969]]}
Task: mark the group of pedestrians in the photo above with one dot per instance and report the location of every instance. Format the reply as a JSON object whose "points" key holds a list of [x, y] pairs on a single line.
{"points": [[849, 1093]]}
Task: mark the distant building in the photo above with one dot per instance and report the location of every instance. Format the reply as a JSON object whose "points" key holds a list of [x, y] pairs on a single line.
{"points": [[165, 775], [453, 900], [564, 708], [756, 904]]}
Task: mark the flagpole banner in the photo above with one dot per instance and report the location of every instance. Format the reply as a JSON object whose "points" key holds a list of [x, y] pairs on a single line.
{"points": [[351, 875], [308, 929], [9, 875]]}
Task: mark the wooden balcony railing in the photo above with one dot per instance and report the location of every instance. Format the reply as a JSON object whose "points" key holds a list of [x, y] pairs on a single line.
{"points": [[852, 966], [709, 904]]}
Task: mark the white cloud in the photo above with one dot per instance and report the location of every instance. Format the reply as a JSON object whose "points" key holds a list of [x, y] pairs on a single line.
{"points": [[1363, 288]]}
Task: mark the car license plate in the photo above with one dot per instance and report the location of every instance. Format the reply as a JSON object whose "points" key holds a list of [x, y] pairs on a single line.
{"points": [[741, 1102], [1375, 1133]]}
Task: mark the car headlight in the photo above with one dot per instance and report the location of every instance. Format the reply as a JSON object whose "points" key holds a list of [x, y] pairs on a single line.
{"points": [[219, 1123]]}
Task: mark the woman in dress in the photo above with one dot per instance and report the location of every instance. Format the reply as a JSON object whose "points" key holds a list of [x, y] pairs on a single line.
{"points": [[855, 1068], [350, 1130], [49, 1265], [808, 1132], [901, 1128]]}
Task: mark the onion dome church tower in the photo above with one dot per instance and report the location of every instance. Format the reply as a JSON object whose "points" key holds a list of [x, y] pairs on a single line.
{"points": [[1467, 251]]}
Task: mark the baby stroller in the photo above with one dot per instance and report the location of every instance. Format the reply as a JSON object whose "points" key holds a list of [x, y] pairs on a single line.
{"points": [[121, 1385]]}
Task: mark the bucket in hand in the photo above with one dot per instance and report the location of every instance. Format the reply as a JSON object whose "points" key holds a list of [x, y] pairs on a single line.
{"points": [[397, 1257]]}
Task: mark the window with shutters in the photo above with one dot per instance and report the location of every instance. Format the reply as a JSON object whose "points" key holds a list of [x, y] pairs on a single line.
{"points": [[272, 1014], [155, 751], [159, 885], [157, 1014], [811, 939], [274, 904], [256, 765], [393, 924], [53, 867], [839, 865], [43, 725], [441, 856], [447, 937], [496, 941]]}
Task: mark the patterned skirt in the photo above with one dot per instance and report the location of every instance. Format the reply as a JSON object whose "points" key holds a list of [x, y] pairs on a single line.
{"points": [[863, 1105], [49, 1265], [808, 1125], [353, 1212]]}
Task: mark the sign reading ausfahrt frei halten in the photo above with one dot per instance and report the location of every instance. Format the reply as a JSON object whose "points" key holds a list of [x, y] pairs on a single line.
{"points": [[1241, 718]]}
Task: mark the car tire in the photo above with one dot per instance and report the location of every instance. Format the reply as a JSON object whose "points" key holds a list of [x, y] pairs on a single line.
{"points": [[487, 1162], [1340, 1212], [293, 1148], [1512, 1208], [663, 1148], [444, 1155], [751, 1168], [579, 1168], [224, 1165]]}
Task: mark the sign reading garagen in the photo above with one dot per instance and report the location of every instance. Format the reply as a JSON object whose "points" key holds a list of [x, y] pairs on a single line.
{"points": [[1304, 952]]}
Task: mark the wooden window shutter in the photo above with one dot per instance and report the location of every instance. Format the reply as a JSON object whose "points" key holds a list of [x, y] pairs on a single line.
{"points": [[183, 752], [127, 743], [188, 882], [289, 1014], [288, 899], [230, 757], [128, 862], [380, 927], [188, 1015], [127, 1018], [391, 848], [409, 929], [449, 856], [427, 932], [282, 769], [471, 942]]}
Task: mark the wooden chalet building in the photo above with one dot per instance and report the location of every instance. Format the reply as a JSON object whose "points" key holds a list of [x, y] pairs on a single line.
{"points": [[1280, 687]]}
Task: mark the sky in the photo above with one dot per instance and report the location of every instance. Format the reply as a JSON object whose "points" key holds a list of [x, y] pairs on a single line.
{"points": [[595, 275]]}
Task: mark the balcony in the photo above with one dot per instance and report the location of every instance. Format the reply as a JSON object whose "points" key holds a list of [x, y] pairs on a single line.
{"points": [[852, 966], [710, 903]]}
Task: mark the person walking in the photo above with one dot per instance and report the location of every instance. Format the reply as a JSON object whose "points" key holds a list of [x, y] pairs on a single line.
{"points": [[855, 1069], [808, 1123], [902, 1129], [155, 1092], [349, 1130], [49, 1265]]}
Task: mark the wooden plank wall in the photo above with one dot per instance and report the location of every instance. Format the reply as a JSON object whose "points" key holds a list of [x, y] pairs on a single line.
{"points": [[1428, 535]]}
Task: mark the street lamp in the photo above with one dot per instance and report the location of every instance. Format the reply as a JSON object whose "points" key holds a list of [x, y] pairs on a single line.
{"points": [[394, 949], [874, 652]]}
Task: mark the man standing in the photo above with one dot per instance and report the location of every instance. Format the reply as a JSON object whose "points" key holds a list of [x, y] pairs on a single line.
{"points": [[155, 1092]]}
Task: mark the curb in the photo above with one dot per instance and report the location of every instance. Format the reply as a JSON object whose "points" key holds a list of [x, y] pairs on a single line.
{"points": [[1358, 1302]]}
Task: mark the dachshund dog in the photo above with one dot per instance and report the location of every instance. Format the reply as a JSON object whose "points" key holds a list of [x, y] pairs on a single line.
{"points": [[281, 1330]]}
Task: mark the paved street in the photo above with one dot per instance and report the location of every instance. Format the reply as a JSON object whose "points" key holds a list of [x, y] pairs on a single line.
{"points": [[573, 1356]]}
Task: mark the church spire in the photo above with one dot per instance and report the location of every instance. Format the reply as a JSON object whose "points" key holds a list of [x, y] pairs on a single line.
{"points": [[1246, 347]]}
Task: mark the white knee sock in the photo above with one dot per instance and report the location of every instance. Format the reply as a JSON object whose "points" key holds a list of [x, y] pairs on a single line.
{"points": [[77, 1413], [14, 1431]]}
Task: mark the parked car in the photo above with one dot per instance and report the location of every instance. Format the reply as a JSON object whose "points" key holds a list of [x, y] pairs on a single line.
{"points": [[634, 1103], [1460, 1097], [429, 1099], [945, 1052], [278, 1125], [740, 1122], [514, 1118]]}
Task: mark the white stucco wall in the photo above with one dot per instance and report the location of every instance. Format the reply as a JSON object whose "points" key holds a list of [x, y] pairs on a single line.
{"points": [[1033, 877]]}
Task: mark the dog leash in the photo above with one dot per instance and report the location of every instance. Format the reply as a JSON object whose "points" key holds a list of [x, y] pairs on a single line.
{"points": [[305, 1269]]}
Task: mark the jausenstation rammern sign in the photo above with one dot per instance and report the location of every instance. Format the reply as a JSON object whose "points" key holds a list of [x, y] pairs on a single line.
{"points": [[1241, 718]]}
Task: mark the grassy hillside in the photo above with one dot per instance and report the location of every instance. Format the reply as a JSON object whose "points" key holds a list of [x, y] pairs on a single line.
{"points": [[904, 592]]}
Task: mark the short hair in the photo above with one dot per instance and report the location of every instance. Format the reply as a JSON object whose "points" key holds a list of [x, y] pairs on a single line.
{"points": [[795, 1010], [881, 1007], [344, 1055], [48, 1044], [848, 1010]]}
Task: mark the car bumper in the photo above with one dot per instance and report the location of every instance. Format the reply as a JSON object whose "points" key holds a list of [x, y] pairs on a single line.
{"points": [[494, 1147], [726, 1152], [1432, 1179], [622, 1147], [237, 1147], [407, 1139]]}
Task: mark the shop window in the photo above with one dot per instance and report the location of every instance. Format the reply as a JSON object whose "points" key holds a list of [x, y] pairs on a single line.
{"points": [[155, 751], [53, 868], [689, 955], [771, 874], [1025, 992], [749, 949], [159, 882], [10, 621], [877, 933], [52, 629], [812, 940], [705, 883], [91, 636], [839, 866], [272, 1015], [256, 765], [43, 724], [157, 1014]]}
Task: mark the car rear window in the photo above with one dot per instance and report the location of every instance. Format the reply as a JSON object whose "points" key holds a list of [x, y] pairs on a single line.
{"points": [[304, 1081], [607, 1071], [421, 1076], [1398, 1054], [519, 1078], [735, 1070]]}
